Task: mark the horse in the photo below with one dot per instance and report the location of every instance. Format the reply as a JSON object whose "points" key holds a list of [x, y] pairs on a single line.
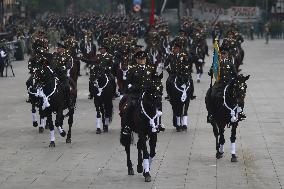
{"points": [[225, 103], [103, 95], [237, 55], [35, 102], [179, 90], [122, 70], [144, 121], [53, 96], [198, 58]]}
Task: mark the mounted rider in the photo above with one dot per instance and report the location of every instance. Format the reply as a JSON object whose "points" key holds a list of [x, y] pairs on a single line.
{"points": [[227, 72], [173, 64], [62, 63], [105, 59], [138, 78]]}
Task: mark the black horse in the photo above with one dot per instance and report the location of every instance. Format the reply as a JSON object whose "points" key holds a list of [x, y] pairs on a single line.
{"points": [[54, 99], [121, 71], [102, 89], [237, 55], [198, 58], [144, 121], [179, 90], [35, 101], [225, 103]]}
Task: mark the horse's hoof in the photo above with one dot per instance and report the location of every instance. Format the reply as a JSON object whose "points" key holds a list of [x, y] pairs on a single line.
{"points": [[184, 128], [219, 155], [139, 169], [99, 131], [35, 124], [147, 177], [198, 80], [105, 128], [68, 140], [130, 171], [46, 126], [52, 144], [63, 133], [40, 129], [234, 158], [178, 129]]}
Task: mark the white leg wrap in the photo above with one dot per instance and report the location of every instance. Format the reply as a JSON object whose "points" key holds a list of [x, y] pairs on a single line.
{"points": [[42, 122], [185, 120], [107, 121], [178, 121], [52, 138], [146, 165], [233, 148], [34, 117], [60, 130], [221, 149], [198, 76], [98, 123]]}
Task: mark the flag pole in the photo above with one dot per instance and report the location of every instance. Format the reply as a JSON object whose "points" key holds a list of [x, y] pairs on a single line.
{"points": [[152, 16]]}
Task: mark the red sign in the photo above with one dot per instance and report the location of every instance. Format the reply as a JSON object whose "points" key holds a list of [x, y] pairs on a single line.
{"points": [[247, 12]]}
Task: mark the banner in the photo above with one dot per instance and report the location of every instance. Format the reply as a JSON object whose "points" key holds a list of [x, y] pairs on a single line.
{"points": [[137, 2], [244, 12]]}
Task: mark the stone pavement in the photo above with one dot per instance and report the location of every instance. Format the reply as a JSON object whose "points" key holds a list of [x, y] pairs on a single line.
{"points": [[184, 160]]}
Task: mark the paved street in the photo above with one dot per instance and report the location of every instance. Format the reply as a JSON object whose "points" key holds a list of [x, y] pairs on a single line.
{"points": [[183, 160]]}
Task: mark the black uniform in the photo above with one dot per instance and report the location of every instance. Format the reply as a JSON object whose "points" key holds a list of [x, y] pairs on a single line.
{"points": [[107, 61], [173, 64]]}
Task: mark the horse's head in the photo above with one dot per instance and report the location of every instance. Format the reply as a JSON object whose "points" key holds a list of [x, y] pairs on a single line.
{"points": [[240, 88], [42, 75], [97, 71], [154, 90], [184, 72]]}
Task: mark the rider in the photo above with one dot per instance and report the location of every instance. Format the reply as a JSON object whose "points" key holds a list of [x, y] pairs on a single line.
{"points": [[138, 78], [227, 73], [61, 64], [107, 61], [172, 64]]}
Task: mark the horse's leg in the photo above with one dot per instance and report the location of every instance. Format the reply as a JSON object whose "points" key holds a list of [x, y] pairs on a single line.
{"points": [[221, 141], [103, 112], [59, 122], [51, 129], [185, 116], [140, 158], [108, 114], [152, 144], [35, 124], [198, 71], [178, 116], [70, 124], [216, 134], [98, 120], [233, 142], [146, 164], [129, 163], [42, 121]]}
